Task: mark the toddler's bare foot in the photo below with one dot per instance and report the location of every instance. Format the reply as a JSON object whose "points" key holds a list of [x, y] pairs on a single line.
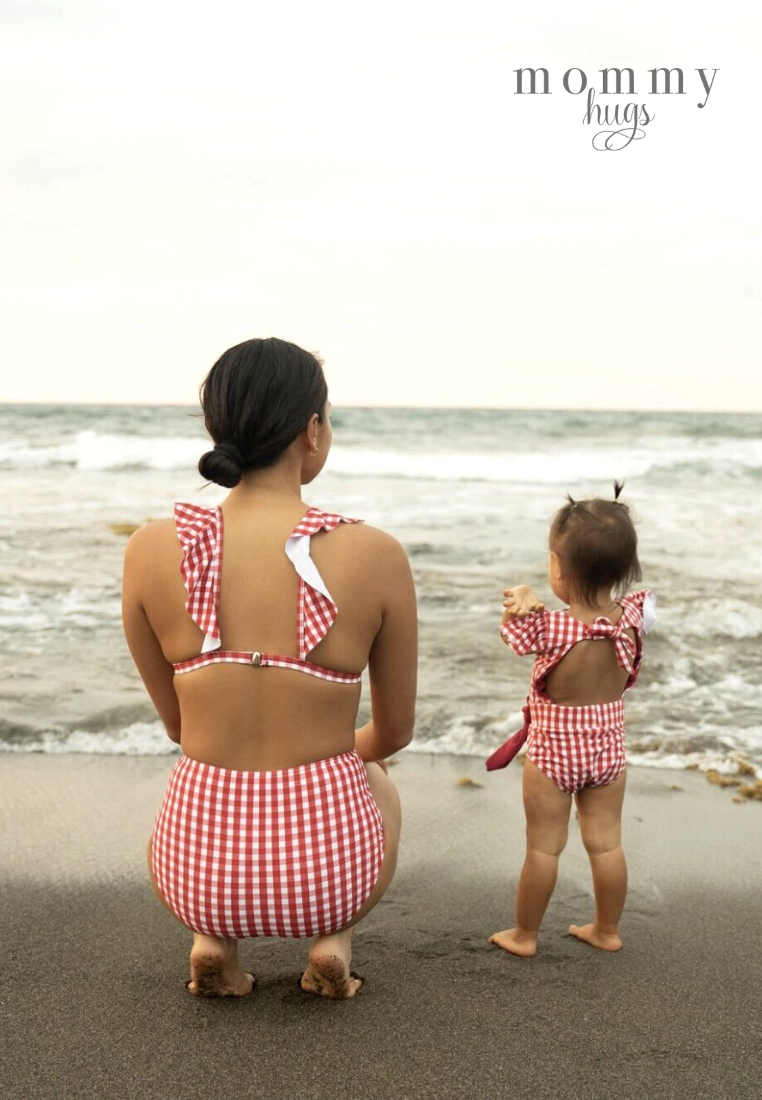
{"points": [[215, 969], [327, 972], [606, 941], [516, 941]]}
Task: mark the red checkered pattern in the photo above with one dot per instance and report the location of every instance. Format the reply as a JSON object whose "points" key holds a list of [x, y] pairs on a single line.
{"points": [[577, 747], [266, 660], [315, 612], [292, 853], [200, 531], [580, 746]]}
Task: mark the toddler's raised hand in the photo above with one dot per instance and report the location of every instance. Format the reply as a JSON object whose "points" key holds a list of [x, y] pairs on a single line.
{"points": [[520, 601]]}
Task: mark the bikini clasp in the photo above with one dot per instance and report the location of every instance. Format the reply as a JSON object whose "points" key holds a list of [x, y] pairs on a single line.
{"points": [[256, 658]]}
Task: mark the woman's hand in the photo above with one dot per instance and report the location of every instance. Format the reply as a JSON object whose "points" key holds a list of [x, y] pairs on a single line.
{"points": [[520, 601]]}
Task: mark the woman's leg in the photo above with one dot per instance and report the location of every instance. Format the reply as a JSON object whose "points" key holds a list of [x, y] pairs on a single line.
{"points": [[215, 968], [330, 957], [600, 820], [547, 813]]}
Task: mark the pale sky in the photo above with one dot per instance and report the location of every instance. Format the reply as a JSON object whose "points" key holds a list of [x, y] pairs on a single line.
{"points": [[362, 180]]}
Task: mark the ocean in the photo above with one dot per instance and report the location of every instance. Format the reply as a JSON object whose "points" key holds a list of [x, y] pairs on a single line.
{"points": [[469, 493]]}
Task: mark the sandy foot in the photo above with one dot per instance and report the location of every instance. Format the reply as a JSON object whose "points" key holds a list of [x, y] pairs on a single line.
{"points": [[605, 941], [215, 969], [518, 943], [327, 972]]}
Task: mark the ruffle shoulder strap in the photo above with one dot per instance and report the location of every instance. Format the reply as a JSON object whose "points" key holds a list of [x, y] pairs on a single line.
{"points": [[639, 610], [200, 533], [316, 610]]}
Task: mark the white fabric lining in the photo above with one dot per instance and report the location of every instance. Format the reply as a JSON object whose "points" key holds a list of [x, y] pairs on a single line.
{"points": [[298, 553]]}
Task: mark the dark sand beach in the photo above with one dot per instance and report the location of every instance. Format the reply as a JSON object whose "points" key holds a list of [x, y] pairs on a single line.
{"points": [[92, 997]]}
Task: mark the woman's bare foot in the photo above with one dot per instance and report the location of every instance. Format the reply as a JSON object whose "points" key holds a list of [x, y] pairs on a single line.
{"points": [[606, 941], [516, 941], [215, 969], [327, 972]]}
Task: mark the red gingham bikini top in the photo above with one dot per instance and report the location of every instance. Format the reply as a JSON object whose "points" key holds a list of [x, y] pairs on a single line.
{"points": [[200, 531]]}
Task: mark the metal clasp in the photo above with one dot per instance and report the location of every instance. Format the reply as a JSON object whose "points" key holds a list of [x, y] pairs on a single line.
{"points": [[256, 658]]}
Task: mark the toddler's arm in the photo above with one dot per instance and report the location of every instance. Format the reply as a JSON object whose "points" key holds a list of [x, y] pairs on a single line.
{"points": [[518, 602]]}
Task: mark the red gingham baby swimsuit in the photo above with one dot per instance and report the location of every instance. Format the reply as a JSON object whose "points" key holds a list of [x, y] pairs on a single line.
{"points": [[575, 746], [291, 852]]}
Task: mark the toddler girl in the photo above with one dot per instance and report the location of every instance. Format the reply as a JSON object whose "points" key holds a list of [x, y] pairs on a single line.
{"points": [[587, 657]]}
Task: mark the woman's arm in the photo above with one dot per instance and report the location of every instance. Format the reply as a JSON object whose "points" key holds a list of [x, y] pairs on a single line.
{"points": [[393, 661], [155, 671]]}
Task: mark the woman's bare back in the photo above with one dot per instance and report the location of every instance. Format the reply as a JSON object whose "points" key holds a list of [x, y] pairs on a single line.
{"points": [[255, 718]]}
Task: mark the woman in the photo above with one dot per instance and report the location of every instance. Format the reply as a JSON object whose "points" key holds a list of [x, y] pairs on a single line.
{"points": [[250, 624]]}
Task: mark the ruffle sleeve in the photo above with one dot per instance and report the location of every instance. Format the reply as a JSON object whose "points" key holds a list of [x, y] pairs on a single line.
{"points": [[527, 634], [316, 608], [639, 610], [200, 533]]}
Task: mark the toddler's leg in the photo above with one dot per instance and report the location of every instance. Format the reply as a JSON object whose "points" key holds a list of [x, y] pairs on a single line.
{"points": [[547, 812], [600, 819]]}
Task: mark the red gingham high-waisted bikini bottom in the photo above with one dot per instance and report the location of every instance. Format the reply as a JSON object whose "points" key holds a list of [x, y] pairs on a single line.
{"points": [[577, 747], [293, 852]]}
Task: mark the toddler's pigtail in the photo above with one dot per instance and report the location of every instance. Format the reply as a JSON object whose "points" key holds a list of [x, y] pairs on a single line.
{"points": [[618, 486]]}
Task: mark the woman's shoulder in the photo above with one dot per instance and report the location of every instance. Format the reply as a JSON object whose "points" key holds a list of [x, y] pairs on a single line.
{"points": [[371, 540], [154, 535], [364, 555]]}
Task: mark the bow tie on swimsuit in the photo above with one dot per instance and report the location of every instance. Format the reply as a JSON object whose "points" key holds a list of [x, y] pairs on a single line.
{"points": [[624, 646]]}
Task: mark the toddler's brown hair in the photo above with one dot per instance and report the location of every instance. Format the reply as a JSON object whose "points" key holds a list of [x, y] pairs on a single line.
{"points": [[597, 544]]}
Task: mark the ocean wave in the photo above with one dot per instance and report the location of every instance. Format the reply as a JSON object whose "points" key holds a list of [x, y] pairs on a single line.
{"points": [[460, 736], [715, 618], [26, 611], [527, 467], [138, 739], [734, 458], [93, 450]]}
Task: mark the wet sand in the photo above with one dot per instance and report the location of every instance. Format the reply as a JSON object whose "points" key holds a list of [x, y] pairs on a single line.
{"points": [[91, 987]]}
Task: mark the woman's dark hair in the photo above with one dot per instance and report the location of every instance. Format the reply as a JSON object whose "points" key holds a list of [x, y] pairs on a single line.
{"points": [[597, 544], [257, 398]]}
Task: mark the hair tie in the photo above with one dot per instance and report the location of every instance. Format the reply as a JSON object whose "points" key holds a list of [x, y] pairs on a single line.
{"points": [[231, 452]]}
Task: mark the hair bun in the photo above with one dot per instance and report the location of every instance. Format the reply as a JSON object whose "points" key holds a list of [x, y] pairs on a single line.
{"points": [[224, 465], [231, 451]]}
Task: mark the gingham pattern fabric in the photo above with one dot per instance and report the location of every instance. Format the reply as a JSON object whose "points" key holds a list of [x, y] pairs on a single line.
{"points": [[201, 535], [266, 660], [316, 610], [577, 747], [291, 853], [580, 746]]}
